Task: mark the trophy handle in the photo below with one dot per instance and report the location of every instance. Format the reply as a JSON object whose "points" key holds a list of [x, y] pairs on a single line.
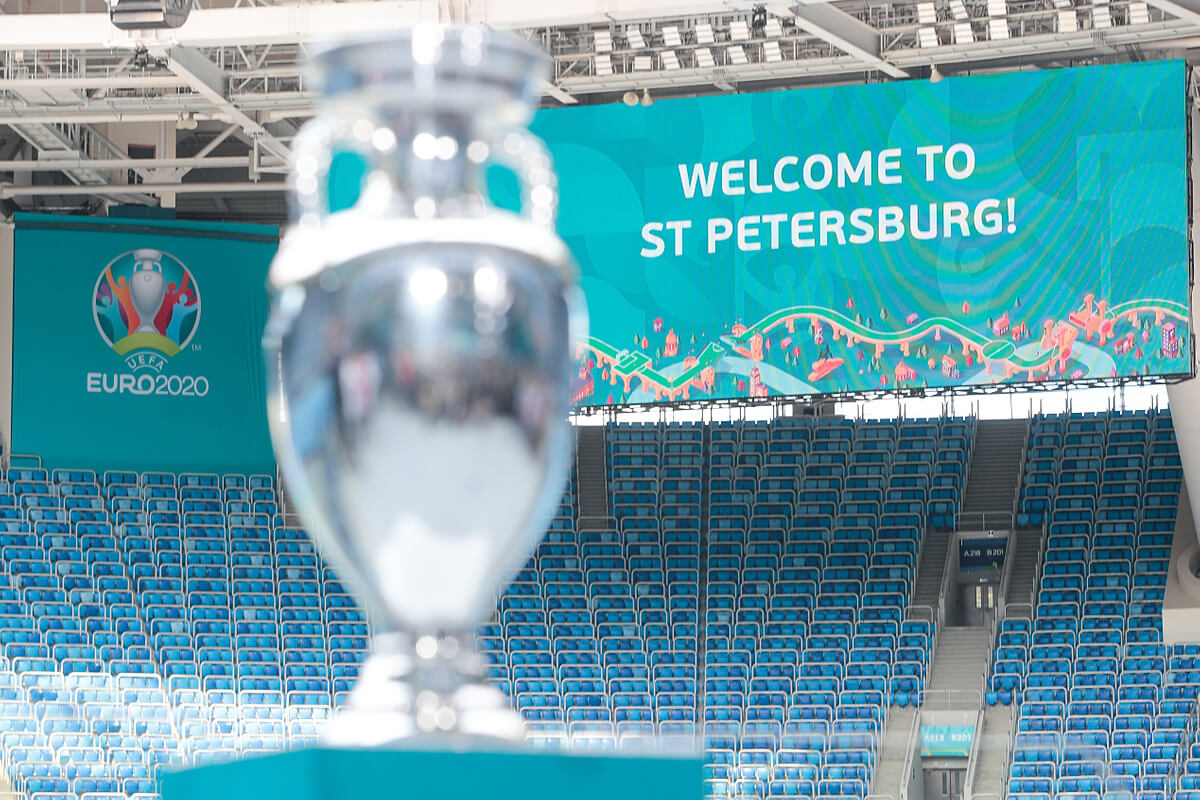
{"points": [[312, 155], [527, 156]]}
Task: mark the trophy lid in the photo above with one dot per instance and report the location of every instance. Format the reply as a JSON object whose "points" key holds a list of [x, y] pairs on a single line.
{"points": [[435, 66]]}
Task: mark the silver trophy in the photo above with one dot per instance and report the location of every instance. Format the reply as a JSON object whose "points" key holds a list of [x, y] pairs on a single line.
{"points": [[419, 354], [147, 287]]}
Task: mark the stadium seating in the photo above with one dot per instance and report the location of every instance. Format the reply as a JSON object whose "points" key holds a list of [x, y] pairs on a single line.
{"points": [[1104, 708], [750, 590], [780, 635], [157, 619]]}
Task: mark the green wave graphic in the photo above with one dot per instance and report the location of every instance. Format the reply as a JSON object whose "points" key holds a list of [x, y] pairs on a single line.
{"points": [[628, 364]]}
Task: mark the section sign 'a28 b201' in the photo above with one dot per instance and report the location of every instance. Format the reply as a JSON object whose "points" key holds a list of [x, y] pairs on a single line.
{"points": [[1003, 228]]}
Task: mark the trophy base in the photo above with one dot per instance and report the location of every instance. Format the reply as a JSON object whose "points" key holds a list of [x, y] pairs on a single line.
{"points": [[433, 771], [423, 688], [379, 719]]}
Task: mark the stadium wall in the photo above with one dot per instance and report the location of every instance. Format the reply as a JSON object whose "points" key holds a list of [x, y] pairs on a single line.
{"points": [[6, 315], [1181, 601], [1184, 397]]}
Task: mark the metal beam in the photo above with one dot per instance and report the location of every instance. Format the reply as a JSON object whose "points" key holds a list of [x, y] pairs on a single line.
{"points": [[848, 34], [1046, 46], [1187, 10], [296, 23], [8, 190], [559, 94], [114, 82], [49, 140], [211, 83], [214, 27], [115, 150], [11, 147], [146, 164], [725, 78], [203, 157], [83, 116]]}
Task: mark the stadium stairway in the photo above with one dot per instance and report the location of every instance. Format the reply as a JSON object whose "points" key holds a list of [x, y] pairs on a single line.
{"points": [[931, 569], [959, 662], [592, 471], [1023, 572], [992, 758], [894, 750], [995, 466]]}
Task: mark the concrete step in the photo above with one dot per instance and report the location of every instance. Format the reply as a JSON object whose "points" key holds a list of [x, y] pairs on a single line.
{"points": [[1023, 572], [992, 764], [995, 466], [959, 664], [931, 568], [893, 751], [591, 471]]}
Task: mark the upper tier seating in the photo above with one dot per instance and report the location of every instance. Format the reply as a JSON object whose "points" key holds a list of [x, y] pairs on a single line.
{"points": [[1104, 708], [751, 589], [158, 619], [780, 636]]}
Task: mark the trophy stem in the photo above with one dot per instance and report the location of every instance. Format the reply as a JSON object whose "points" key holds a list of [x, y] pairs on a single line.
{"points": [[420, 687]]}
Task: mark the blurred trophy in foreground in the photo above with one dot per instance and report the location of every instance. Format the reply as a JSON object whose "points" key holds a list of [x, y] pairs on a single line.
{"points": [[419, 359]]}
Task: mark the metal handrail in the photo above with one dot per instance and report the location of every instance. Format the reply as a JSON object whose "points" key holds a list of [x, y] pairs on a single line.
{"points": [[1001, 610], [1021, 468], [917, 612], [970, 698], [906, 770], [973, 756], [1006, 569], [1037, 575], [1008, 748], [986, 520], [944, 589], [1011, 608], [35, 462], [924, 612]]}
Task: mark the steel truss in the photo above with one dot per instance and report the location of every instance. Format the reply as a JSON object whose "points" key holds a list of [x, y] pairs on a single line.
{"points": [[230, 87]]}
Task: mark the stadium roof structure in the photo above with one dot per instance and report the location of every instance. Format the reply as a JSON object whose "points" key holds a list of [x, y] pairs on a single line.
{"points": [[201, 117]]}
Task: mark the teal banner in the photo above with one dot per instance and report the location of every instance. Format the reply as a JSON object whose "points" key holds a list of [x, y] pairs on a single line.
{"points": [[136, 344], [947, 741], [1013, 228]]}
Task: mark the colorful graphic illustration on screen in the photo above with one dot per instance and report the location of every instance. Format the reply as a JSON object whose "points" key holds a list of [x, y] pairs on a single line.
{"points": [[828, 347]]}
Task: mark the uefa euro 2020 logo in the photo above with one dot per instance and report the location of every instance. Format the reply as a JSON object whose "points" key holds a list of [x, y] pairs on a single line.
{"points": [[146, 305]]}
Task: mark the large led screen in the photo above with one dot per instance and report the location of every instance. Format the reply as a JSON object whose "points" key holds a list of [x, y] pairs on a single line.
{"points": [[1022, 227]]}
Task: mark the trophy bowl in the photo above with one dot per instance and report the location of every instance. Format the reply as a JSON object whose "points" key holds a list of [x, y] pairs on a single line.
{"points": [[419, 368]]}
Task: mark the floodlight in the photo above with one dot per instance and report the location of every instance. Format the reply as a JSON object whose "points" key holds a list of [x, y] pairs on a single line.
{"points": [[137, 15]]}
